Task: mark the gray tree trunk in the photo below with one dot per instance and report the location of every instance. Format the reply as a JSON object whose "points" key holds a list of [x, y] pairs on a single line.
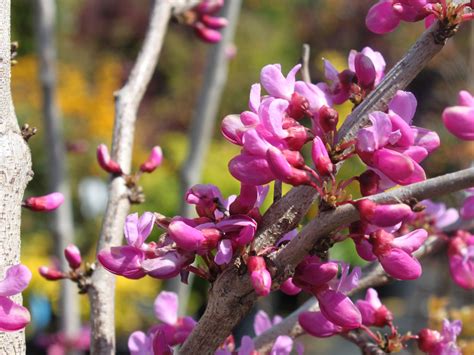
{"points": [[15, 172]]}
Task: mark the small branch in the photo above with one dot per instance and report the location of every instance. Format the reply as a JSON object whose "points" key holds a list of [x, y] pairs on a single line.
{"points": [[62, 223], [127, 101], [277, 190], [232, 295], [366, 346], [305, 55]]}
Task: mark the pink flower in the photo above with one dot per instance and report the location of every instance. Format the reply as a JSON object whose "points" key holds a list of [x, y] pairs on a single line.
{"points": [[440, 215], [434, 343], [461, 259], [459, 120], [373, 312], [44, 203], [276, 84], [467, 209], [321, 159], [386, 15], [154, 160], [51, 274], [382, 215], [259, 275], [13, 316], [317, 325], [160, 338], [106, 162], [394, 254], [73, 256]]}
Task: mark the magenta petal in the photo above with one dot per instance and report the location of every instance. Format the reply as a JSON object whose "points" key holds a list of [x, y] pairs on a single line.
{"points": [[247, 346], [467, 209], [404, 105], [16, 280], [314, 94], [465, 99], [224, 252], [339, 309], [254, 144], [317, 325], [411, 241], [407, 137], [124, 260], [459, 120], [139, 344], [367, 312], [417, 175], [185, 236], [272, 111], [254, 99], [166, 307], [261, 322], [364, 249], [282, 346], [289, 288], [275, 83], [261, 281], [365, 70], [426, 138], [396, 166], [400, 265], [251, 170], [315, 273], [462, 271], [381, 18], [12, 316], [166, 266], [232, 129]]}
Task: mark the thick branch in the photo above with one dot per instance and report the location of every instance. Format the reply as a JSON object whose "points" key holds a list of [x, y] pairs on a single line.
{"points": [[127, 100], [232, 296], [15, 172]]}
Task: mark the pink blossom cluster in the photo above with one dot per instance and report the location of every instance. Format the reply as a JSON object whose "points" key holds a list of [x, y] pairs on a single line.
{"points": [[222, 230], [433, 342], [386, 15], [206, 24], [172, 330]]}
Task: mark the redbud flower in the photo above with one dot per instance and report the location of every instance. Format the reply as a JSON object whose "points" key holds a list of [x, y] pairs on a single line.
{"points": [[289, 288], [276, 84], [154, 160], [214, 21], [51, 274], [328, 119], [283, 170], [373, 312], [467, 209], [459, 120], [105, 162], [13, 316], [382, 215], [44, 203], [435, 343], [461, 259], [317, 325], [259, 275], [73, 256]]}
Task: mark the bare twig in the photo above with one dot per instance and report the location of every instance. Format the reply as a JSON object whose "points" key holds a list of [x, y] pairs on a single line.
{"points": [[127, 100], [366, 347], [62, 224], [232, 296], [15, 172], [202, 125], [305, 55]]}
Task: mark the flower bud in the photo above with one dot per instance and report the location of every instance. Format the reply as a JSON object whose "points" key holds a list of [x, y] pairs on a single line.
{"points": [[214, 21], [283, 170], [321, 159], [73, 256], [51, 274], [207, 34], [259, 275], [154, 160], [44, 203], [328, 119], [105, 162], [289, 288], [209, 6], [382, 215], [369, 183], [427, 339], [298, 107], [365, 71]]}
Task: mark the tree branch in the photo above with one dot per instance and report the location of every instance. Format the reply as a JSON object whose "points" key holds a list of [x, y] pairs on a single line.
{"points": [[127, 100], [232, 295], [15, 173]]}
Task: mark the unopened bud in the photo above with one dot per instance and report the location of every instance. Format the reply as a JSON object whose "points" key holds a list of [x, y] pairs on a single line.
{"points": [[209, 6], [427, 339], [154, 160], [105, 162], [207, 34], [214, 21], [51, 274], [44, 203], [259, 275], [321, 159], [369, 183], [328, 118], [298, 107], [73, 256], [365, 71]]}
